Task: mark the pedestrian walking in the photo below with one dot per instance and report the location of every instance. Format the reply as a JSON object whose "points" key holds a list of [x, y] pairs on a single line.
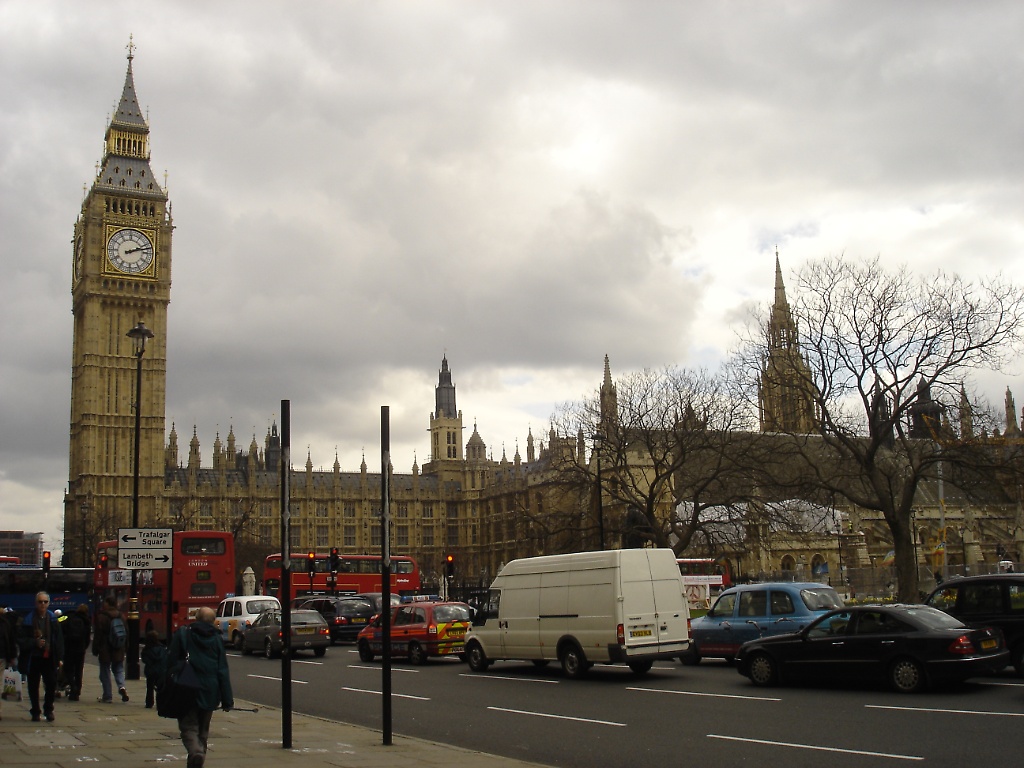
{"points": [[201, 644], [77, 629], [108, 643], [42, 653], [8, 654], [154, 665]]}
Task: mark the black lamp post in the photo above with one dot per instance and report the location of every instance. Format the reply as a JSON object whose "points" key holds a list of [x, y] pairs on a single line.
{"points": [[138, 335], [598, 441]]}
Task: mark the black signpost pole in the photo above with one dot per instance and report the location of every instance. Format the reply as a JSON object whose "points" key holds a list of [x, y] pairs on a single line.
{"points": [[284, 594], [385, 568]]}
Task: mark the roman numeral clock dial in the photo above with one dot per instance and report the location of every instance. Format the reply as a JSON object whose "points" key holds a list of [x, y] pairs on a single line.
{"points": [[130, 251]]}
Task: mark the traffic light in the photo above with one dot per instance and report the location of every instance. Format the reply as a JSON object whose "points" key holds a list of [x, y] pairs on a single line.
{"points": [[104, 562], [46, 563], [335, 560], [449, 566], [311, 564]]}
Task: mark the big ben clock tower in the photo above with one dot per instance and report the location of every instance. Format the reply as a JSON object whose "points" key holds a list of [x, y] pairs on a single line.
{"points": [[121, 276]]}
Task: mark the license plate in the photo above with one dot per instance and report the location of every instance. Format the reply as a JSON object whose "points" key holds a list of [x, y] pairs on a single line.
{"points": [[988, 645], [305, 630], [358, 621], [639, 633]]}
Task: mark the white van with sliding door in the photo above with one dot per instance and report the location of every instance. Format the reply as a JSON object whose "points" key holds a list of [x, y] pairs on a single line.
{"points": [[614, 607]]}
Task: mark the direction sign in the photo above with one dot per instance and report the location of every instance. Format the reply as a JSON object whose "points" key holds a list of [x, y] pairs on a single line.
{"points": [[144, 548]]}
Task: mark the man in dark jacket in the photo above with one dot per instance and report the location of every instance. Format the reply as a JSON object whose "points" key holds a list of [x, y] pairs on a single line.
{"points": [[111, 659], [77, 629], [201, 643], [42, 654]]}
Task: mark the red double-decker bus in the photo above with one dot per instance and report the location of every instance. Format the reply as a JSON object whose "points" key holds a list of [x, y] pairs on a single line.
{"points": [[203, 573], [355, 574]]}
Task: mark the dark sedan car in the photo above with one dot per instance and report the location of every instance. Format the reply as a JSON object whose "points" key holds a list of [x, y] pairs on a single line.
{"points": [[910, 646], [346, 616], [309, 632]]}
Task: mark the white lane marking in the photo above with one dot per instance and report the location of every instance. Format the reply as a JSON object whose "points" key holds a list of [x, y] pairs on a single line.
{"points": [[378, 693], [1006, 683], [946, 711], [698, 693], [476, 676], [377, 669], [278, 679], [889, 755], [557, 717]]}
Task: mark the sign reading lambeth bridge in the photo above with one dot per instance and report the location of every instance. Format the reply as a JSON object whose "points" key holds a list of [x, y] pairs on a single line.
{"points": [[142, 548]]}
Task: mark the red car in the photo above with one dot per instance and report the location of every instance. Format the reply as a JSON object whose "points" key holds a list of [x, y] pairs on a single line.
{"points": [[419, 631]]}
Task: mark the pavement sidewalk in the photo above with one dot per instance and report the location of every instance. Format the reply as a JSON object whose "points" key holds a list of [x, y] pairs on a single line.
{"points": [[128, 735]]}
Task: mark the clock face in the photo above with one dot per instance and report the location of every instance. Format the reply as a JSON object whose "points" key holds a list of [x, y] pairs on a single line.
{"points": [[79, 257], [130, 251]]}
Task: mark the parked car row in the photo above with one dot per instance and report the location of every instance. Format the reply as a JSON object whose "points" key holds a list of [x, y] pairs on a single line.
{"points": [[782, 632]]}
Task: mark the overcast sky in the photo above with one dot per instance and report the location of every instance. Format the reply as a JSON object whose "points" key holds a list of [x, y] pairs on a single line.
{"points": [[361, 188]]}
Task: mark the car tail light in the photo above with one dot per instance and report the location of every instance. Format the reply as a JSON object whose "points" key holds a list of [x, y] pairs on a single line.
{"points": [[620, 634], [432, 629], [962, 646]]}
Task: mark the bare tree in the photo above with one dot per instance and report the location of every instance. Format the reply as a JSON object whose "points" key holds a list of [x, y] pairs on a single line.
{"points": [[669, 447], [887, 355]]}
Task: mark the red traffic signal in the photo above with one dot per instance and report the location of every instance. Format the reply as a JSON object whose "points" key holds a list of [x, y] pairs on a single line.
{"points": [[311, 563], [335, 559], [46, 563], [104, 562], [449, 565]]}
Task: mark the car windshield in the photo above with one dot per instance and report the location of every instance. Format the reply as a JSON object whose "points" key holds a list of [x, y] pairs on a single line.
{"points": [[443, 613], [824, 599], [932, 618], [259, 606], [307, 617], [353, 607]]}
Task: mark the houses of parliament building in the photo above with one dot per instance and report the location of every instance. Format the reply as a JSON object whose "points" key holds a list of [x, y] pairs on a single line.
{"points": [[462, 501]]}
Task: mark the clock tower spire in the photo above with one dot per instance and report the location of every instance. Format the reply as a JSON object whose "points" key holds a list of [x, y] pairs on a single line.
{"points": [[121, 275]]}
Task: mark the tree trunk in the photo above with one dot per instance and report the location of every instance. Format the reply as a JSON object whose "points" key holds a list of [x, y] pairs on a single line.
{"points": [[905, 560]]}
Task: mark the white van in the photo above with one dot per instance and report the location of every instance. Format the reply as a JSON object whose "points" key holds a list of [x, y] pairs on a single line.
{"points": [[236, 614], [620, 606]]}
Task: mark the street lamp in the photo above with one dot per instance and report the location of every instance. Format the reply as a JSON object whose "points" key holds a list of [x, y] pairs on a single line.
{"points": [[138, 335], [598, 439]]}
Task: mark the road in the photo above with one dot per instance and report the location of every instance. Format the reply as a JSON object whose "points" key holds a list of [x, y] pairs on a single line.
{"points": [[706, 715]]}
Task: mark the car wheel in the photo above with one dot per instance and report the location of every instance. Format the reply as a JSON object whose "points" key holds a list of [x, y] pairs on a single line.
{"points": [[906, 675], [268, 648], [1017, 659], [763, 670], [365, 654], [237, 641], [319, 652], [574, 663], [476, 658], [691, 658], [416, 654], [641, 667]]}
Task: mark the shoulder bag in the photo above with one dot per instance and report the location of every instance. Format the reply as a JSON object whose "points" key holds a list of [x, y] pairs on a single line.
{"points": [[180, 688]]}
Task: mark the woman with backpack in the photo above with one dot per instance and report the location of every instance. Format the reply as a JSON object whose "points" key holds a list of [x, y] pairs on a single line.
{"points": [[108, 644]]}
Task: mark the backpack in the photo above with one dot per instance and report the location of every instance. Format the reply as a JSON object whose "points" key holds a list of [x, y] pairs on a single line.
{"points": [[118, 635]]}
